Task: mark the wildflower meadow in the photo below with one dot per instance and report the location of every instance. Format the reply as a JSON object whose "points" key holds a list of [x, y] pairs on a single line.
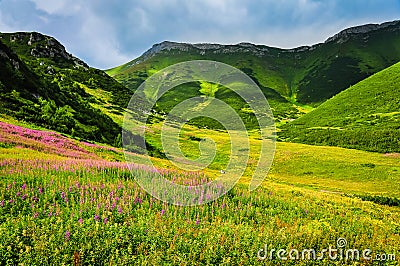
{"points": [[64, 202]]}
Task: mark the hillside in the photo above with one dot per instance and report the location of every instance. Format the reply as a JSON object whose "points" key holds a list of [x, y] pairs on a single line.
{"points": [[365, 116], [302, 76], [41, 82]]}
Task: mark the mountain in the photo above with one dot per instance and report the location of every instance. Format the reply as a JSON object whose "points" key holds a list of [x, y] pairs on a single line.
{"points": [[365, 116], [290, 78], [42, 83]]}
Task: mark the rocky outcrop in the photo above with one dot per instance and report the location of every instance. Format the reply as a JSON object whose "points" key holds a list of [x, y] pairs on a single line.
{"points": [[205, 48], [42, 46], [346, 34], [6, 54]]}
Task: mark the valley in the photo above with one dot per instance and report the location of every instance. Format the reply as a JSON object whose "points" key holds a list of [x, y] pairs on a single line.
{"points": [[68, 196]]}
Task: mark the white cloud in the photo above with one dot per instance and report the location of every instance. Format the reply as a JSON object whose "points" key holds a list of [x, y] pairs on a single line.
{"points": [[99, 42], [57, 7], [141, 17]]}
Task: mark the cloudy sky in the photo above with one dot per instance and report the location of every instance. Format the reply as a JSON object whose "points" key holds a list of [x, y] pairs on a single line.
{"points": [[108, 33]]}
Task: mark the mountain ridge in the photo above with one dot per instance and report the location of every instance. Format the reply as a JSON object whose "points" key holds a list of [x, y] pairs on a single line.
{"points": [[367, 28], [52, 48], [261, 49], [43, 83], [305, 76]]}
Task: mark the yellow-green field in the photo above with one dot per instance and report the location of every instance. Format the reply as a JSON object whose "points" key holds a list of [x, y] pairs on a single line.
{"points": [[316, 167], [88, 209]]}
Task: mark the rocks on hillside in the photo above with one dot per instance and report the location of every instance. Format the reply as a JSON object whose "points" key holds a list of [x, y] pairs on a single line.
{"points": [[203, 48], [346, 34], [6, 54], [45, 47]]}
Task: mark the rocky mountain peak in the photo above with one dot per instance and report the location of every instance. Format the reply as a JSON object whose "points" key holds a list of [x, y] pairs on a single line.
{"points": [[346, 34], [165, 46], [43, 46], [203, 48]]}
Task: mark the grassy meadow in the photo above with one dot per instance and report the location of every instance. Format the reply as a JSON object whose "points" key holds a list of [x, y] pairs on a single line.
{"points": [[64, 202]]}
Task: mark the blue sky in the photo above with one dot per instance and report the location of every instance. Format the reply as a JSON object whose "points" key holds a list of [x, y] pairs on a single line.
{"points": [[109, 33]]}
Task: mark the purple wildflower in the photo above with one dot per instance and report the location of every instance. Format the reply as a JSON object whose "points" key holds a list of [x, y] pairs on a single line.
{"points": [[96, 217], [119, 209], [105, 220], [138, 200], [2, 203], [36, 215], [24, 197], [80, 220], [67, 235], [23, 186], [197, 221], [162, 212]]}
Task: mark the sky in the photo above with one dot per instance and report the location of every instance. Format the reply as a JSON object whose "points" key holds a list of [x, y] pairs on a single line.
{"points": [[108, 33]]}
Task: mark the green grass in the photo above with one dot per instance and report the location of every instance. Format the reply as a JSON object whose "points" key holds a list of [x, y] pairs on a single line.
{"points": [[336, 169], [208, 89], [316, 167], [56, 209], [101, 216], [365, 116]]}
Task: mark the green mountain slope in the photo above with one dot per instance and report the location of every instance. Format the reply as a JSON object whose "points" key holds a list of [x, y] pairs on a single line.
{"points": [[365, 116], [304, 75], [244, 56], [16, 75], [41, 83]]}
